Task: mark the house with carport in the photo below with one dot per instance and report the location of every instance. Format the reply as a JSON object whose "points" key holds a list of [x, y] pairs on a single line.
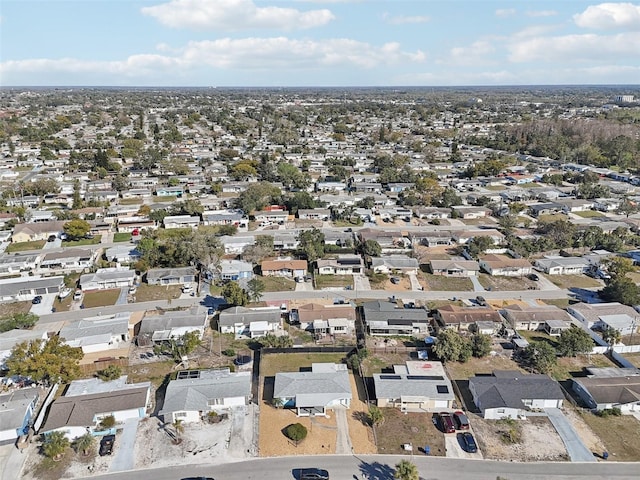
{"points": [[250, 322], [505, 266], [171, 325], [557, 265], [322, 320], [171, 276], [521, 316], [454, 267], [606, 315], [284, 268], [383, 318], [468, 319], [106, 278], [107, 335]]}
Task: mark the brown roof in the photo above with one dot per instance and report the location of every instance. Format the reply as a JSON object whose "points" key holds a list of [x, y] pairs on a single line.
{"points": [[269, 265], [615, 390], [80, 410], [453, 314], [499, 261], [314, 311], [39, 227], [520, 313]]}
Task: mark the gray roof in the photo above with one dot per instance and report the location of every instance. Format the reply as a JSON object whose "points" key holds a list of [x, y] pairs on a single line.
{"points": [[315, 388], [464, 265], [89, 386], [395, 261], [383, 311], [508, 388], [16, 285], [245, 316], [194, 317], [612, 390], [396, 385], [157, 273], [14, 407], [194, 394], [94, 331], [105, 275]]}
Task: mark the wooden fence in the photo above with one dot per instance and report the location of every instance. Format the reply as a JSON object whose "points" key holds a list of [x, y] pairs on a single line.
{"points": [[89, 368]]}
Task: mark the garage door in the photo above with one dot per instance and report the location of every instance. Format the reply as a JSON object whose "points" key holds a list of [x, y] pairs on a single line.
{"points": [[441, 404]]}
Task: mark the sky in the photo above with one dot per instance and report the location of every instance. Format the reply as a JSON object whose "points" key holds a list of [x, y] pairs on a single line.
{"points": [[299, 43]]}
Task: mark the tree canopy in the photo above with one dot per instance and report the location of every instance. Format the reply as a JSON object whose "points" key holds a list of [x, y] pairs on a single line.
{"points": [[450, 346], [45, 361], [574, 341], [76, 229]]}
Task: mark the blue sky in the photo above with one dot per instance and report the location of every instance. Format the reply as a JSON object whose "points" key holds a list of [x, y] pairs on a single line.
{"points": [[318, 42]]}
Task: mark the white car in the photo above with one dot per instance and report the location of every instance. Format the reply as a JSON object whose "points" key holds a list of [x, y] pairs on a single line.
{"points": [[188, 289]]}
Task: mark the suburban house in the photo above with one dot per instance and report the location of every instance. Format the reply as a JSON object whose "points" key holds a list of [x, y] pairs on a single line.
{"points": [[86, 403], [387, 239], [545, 209], [11, 338], [105, 278], [502, 265], [348, 264], [235, 244], [225, 217], [250, 322], [432, 212], [615, 389], [181, 221], [17, 408], [511, 394], [171, 276], [468, 212], [284, 268], [196, 393], [470, 319], [123, 254], [139, 224], [326, 386], [235, 270], [384, 318], [21, 289], [395, 264], [324, 320], [454, 268], [557, 265], [431, 238], [540, 317], [414, 386], [463, 237], [602, 315], [104, 334], [314, 214], [275, 216], [285, 240], [31, 232], [168, 191], [340, 239], [171, 325], [13, 264], [70, 260]]}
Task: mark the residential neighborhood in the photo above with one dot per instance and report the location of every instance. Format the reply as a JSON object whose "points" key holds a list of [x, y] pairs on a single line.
{"points": [[281, 273]]}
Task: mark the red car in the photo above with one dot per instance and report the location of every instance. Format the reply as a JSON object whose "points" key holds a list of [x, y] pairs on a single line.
{"points": [[446, 423], [461, 420]]}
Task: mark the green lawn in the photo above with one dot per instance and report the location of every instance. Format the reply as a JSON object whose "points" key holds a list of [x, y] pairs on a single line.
{"points": [[101, 298], [168, 199], [121, 237], [84, 241], [23, 246], [569, 367], [278, 284], [589, 214], [293, 362], [573, 281], [325, 281], [619, 435]]}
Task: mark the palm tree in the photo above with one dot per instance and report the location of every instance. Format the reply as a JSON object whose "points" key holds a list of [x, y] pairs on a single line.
{"points": [[84, 443], [178, 426], [405, 470], [55, 445], [611, 335]]}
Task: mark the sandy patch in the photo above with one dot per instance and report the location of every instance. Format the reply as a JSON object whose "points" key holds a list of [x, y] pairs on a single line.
{"points": [[360, 433], [588, 437]]}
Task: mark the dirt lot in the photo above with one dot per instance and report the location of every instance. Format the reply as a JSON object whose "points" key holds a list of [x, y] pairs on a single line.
{"points": [[574, 281], [539, 440], [444, 283], [506, 284], [400, 428], [149, 293]]}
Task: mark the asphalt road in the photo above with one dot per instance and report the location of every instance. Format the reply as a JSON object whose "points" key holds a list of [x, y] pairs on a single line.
{"points": [[381, 467]]}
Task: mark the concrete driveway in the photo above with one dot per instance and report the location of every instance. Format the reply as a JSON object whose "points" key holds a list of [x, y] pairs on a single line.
{"points": [[577, 450], [361, 283], [453, 447], [44, 307], [124, 458], [57, 243]]}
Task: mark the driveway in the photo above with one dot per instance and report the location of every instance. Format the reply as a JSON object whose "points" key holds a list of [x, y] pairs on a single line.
{"points": [[45, 306], [477, 286], [415, 284], [361, 283], [453, 447], [57, 243], [124, 458], [343, 441], [577, 450], [304, 287], [122, 298], [242, 436]]}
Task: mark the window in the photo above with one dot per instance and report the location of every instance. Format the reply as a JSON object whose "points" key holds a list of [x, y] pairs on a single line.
{"points": [[180, 414], [215, 401], [501, 410]]}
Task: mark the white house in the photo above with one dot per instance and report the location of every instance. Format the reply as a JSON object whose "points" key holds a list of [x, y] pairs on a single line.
{"points": [[106, 278], [17, 408], [98, 334], [250, 322], [181, 221], [172, 325]]}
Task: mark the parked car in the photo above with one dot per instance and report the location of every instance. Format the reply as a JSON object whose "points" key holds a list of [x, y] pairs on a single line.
{"points": [[188, 289], [461, 421], [37, 299], [446, 422], [106, 445], [395, 280], [469, 443], [481, 301], [78, 295], [534, 277], [313, 474], [52, 238]]}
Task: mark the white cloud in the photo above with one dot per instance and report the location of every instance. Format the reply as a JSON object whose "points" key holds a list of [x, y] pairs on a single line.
{"points": [[248, 54], [233, 15], [542, 13], [405, 19], [534, 31], [505, 12], [610, 16], [474, 54], [576, 48]]}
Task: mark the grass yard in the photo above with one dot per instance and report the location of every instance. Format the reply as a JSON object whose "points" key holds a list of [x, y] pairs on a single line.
{"points": [[167, 199], [619, 435], [293, 362], [278, 284], [633, 358], [24, 246], [121, 237], [484, 366], [150, 293], [573, 281], [589, 214], [155, 372], [63, 305], [569, 367], [559, 302], [15, 307], [130, 201], [84, 241], [435, 304], [417, 429], [552, 217], [447, 284], [326, 281], [377, 362], [538, 336], [101, 298]]}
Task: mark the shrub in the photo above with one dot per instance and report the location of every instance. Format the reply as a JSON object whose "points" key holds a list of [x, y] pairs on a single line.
{"points": [[614, 412], [296, 432], [112, 372], [108, 422], [229, 352]]}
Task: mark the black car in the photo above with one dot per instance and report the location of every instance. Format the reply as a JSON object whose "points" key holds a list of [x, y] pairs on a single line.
{"points": [[37, 299], [534, 277], [313, 474], [106, 445], [52, 238], [469, 443], [481, 301]]}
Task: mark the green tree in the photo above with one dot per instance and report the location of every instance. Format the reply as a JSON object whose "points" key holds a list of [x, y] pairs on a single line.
{"points": [[45, 361], [84, 443], [234, 294], [76, 229], [255, 288], [20, 320], [112, 372], [55, 444], [478, 245], [371, 248], [573, 342], [296, 432], [108, 422], [376, 417], [405, 470], [257, 196], [311, 244], [77, 195], [611, 335], [450, 346], [627, 208], [480, 345], [618, 267], [539, 356], [621, 290]]}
